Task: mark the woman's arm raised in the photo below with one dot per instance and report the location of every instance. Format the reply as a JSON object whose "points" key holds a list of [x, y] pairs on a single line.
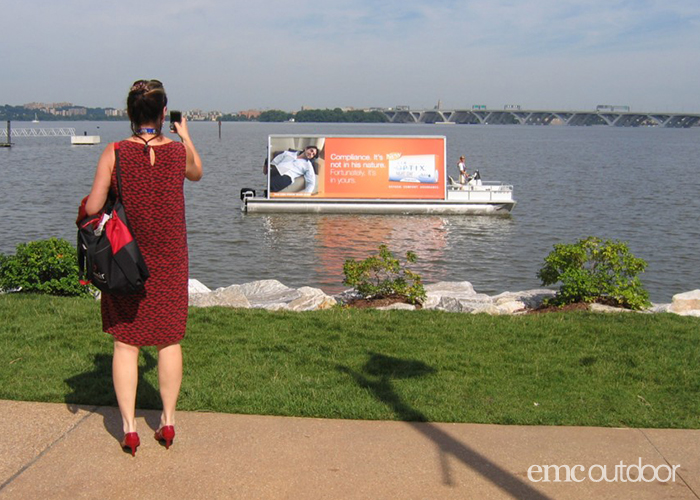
{"points": [[193, 171]]}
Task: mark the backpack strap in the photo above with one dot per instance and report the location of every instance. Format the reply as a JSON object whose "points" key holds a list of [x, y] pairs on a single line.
{"points": [[118, 169], [81, 261]]}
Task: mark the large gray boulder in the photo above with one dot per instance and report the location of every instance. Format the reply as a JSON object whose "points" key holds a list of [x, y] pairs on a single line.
{"points": [[455, 296], [269, 294], [398, 306], [461, 297], [517, 302], [265, 294], [273, 295], [230, 296], [686, 304], [196, 286]]}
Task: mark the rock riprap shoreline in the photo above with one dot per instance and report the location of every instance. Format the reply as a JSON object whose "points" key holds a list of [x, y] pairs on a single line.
{"points": [[444, 296]]}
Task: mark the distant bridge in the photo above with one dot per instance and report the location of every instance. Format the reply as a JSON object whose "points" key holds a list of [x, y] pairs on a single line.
{"points": [[39, 132], [542, 117]]}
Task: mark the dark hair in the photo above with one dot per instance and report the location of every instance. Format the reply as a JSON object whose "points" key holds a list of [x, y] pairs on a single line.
{"points": [[145, 104], [315, 147]]}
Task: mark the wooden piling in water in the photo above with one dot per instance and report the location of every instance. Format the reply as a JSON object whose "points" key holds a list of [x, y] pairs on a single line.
{"points": [[9, 134]]}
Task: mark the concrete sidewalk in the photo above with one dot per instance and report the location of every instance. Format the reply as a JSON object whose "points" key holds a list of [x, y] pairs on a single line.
{"points": [[61, 451]]}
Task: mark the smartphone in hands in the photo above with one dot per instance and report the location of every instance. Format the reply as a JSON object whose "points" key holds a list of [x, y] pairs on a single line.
{"points": [[175, 116]]}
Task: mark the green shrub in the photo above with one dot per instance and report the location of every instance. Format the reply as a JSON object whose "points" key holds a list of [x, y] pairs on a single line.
{"points": [[46, 266], [592, 270], [383, 275]]}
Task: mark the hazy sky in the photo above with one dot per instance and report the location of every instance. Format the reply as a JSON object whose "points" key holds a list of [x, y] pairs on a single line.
{"points": [[236, 55]]}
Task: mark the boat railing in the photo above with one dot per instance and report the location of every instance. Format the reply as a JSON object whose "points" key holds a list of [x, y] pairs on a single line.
{"points": [[483, 186], [497, 186]]}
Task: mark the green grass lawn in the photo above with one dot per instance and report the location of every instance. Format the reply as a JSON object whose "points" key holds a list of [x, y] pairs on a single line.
{"points": [[637, 370]]}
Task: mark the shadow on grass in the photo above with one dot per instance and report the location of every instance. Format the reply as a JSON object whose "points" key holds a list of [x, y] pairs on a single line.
{"points": [[95, 389], [377, 376]]}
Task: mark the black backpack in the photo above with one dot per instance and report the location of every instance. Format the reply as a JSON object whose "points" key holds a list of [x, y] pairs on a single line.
{"points": [[108, 255]]}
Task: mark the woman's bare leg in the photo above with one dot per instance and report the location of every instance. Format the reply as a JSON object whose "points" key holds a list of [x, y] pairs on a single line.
{"points": [[125, 375], [169, 380]]}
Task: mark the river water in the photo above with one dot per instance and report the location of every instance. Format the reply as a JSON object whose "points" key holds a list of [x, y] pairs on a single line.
{"points": [[639, 185]]}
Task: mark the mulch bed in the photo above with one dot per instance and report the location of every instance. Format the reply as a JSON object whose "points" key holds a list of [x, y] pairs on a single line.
{"points": [[576, 306], [377, 302]]}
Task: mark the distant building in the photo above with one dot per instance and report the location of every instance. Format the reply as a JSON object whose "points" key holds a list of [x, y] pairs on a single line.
{"points": [[41, 106], [199, 115], [250, 113], [75, 112], [115, 112]]}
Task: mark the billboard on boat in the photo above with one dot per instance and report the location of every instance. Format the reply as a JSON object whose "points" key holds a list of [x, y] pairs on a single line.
{"points": [[344, 167]]}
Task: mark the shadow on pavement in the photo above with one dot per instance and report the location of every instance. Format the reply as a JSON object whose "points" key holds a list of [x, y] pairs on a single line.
{"points": [[95, 389], [377, 376]]}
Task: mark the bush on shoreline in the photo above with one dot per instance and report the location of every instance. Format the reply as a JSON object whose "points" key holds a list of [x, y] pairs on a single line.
{"points": [[45, 266], [383, 275], [593, 270]]}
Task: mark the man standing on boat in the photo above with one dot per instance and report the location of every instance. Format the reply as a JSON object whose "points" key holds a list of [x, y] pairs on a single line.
{"points": [[289, 165], [462, 170]]}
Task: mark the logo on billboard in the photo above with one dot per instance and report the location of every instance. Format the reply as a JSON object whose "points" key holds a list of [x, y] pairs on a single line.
{"points": [[412, 168]]}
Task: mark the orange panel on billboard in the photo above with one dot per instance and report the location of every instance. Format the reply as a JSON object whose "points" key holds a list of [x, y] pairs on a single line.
{"points": [[385, 168]]}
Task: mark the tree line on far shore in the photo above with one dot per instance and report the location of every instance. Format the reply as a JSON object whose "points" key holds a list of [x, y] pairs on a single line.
{"points": [[22, 114], [337, 115], [314, 115]]}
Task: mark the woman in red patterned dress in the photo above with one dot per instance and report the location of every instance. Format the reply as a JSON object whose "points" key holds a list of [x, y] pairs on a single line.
{"points": [[153, 170]]}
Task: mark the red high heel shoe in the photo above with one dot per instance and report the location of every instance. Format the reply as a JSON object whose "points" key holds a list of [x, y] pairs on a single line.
{"points": [[131, 440], [167, 434]]}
